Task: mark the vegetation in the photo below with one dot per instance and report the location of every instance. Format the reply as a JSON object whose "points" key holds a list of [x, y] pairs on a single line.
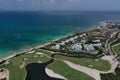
{"points": [[110, 40], [2, 62], [17, 73], [69, 73], [116, 48], [116, 42], [4, 79], [47, 52], [88, 62], [111, 76]]}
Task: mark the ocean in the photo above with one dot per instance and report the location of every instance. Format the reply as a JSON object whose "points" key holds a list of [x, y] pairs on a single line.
{"points": [[23, 29]]}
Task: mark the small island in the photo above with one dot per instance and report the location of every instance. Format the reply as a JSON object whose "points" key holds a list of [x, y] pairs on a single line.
{"points": [[88, 55]]}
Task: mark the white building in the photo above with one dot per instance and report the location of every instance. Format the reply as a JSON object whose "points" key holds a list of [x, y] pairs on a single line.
{"points": [[96, 41], [76, 47], [98, 45], [82, 35], [89, 47], [71, 39], [57, 46], [75, 37], [62, 43], [67, 41]]}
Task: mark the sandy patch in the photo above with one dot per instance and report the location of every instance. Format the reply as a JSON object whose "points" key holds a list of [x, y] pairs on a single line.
{"points": [[53, 74]]}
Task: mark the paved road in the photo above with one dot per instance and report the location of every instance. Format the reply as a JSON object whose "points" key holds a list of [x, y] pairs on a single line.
{"points": [[109, 45]]}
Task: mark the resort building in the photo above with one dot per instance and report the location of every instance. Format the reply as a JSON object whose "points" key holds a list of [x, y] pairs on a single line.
{"points": [[89, 47], [72, 39], [82, 35], [79, 44], [62, 43], [98, 45], [97, 41], [76, 47], [57, 46]]}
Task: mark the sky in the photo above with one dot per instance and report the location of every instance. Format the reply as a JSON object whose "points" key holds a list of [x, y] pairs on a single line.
{"points": [[60, 5]]}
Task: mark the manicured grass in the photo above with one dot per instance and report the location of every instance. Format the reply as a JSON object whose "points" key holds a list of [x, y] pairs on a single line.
{"points": [[96, 63], [63, 69], [111, 76], [17, 73], [116, 48], [45, 52]]}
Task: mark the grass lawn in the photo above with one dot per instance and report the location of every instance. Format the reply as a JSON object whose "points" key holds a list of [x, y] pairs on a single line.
{"points": [[17, 73], [116, 48], [63, 69], [45, 52], [88, 62], [111, 76]]}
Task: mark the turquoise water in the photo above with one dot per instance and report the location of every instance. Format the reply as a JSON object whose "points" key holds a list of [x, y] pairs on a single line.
{"points": [[20, 30]]}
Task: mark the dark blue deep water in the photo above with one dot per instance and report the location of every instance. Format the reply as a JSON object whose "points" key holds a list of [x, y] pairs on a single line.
{"points": [[21, 29]]}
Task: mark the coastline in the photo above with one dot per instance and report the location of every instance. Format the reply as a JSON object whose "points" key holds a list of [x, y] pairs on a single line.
{"points": [[42, 45], [28, 50]]}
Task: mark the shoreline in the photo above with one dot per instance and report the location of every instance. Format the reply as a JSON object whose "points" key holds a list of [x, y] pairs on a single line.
{"points": [[29, 49], [42, 45]]}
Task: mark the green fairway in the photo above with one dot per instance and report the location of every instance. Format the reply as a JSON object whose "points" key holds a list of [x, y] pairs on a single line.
{"points": [[63, 69], [45, 52], [17, 73], [88, 62], [116, 48], [111, 76]]}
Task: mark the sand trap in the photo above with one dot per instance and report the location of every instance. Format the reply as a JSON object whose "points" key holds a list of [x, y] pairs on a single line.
{"points": [[39, 53], [53, 74]]}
